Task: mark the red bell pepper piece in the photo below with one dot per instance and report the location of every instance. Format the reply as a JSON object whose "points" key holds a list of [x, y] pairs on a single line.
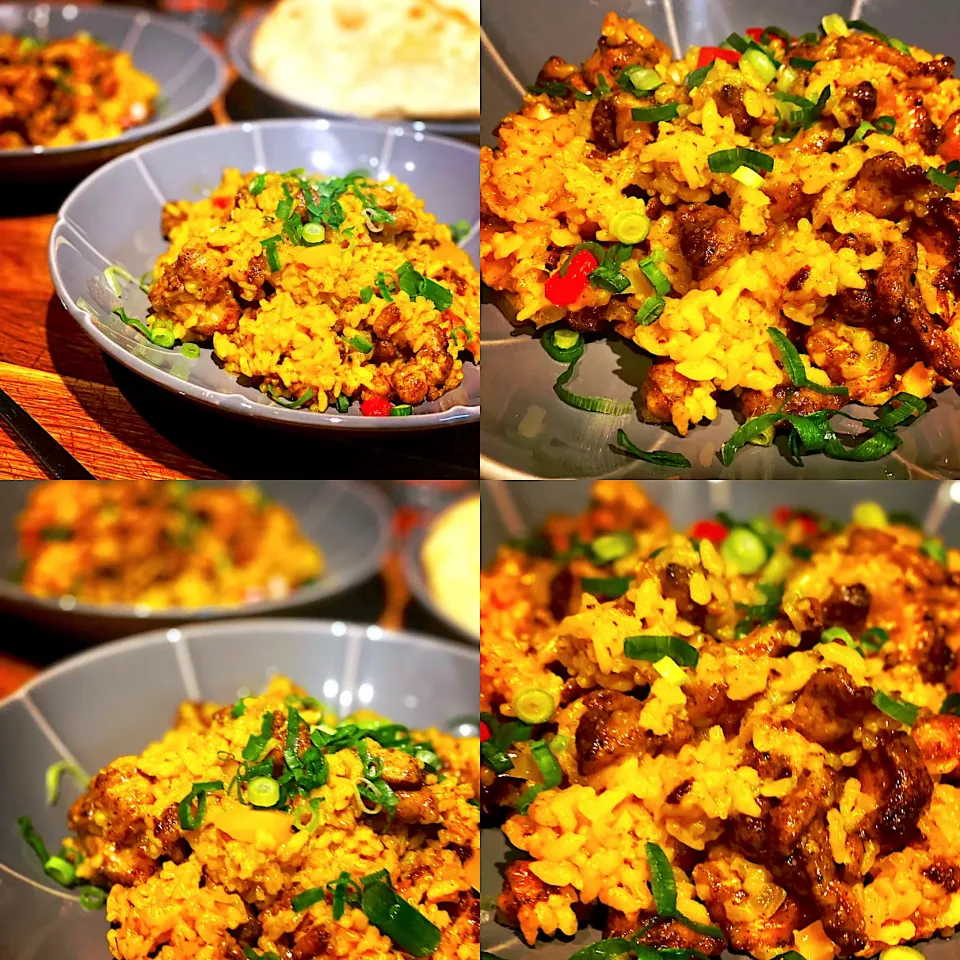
{"points": [[484, 732], [375, 407], [562, 291], [712, 530], [708, 54]]}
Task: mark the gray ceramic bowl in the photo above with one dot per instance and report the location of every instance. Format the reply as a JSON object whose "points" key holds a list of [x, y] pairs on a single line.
{"points": [[416, 578], [350, 521], [94, 231], [527, 431], [112, 701], [190, 74], [515, 509], [281, 104]]}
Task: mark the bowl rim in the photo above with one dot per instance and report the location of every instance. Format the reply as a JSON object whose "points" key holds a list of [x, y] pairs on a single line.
{"points": [[174, 635], [415, 575], [152, 128], [373, 497], [237, 403], [237, 47]]}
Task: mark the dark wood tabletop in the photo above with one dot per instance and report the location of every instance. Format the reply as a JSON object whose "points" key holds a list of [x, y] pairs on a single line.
{"points": [[119, 425]]}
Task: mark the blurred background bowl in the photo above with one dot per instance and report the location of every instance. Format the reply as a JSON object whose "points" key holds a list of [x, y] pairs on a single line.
{"points": [[275, 103], [348, 520], [190, 74], [112, 701]]}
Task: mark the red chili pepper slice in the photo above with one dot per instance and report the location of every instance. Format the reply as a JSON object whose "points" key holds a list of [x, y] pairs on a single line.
{"points": [[810, 526], [376, 407], [783, 515], [484, 732], [754, 33], [712, 530], [221, 202], [564, 290], [707, 54]]}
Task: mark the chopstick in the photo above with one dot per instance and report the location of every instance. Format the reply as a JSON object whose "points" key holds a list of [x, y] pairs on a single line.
{"points": [[58, 462]]}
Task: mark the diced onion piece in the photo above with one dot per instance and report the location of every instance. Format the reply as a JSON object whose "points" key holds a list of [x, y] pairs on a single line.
{"points": [[748, 177], [670, 672]]}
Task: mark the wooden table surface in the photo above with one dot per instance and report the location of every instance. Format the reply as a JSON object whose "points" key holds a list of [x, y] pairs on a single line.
{"points": [[119, 425]]}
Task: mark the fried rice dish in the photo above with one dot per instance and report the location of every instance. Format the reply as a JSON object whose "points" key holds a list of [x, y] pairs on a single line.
{"points": [[271, 829], [69, 91], [320, 290], [774, 220], [161, 544], [740, 736]]}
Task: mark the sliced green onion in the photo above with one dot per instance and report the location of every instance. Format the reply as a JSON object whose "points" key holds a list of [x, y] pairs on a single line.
{"points": [[802, 63], [60, 870], [696, 77], [598, 254], [649, 311], [406, 926], [834, 25], [343, 403], [188, 819], [900, 710], [54, 774], [761, 64], [190, 350], [239, 709], [92, 898], [951, 704], [112, 273], [935, 550], [942, 179], [871, 447], [663, 884], [666, 111], [639, 78], [654, 648], [661, 458], [726, 161], [163, 337], [836, 633], [550, 771], [873, 639], [270, 249], [652, 272], [704, 929], [401, 410], [794, 368], [611, 587], [279, 398], [263, 792], [360, 342], [630, 226], [862, 131], [952, 167], [801, 552], [257, 184], [366, 294], [885, 125], [131, 321], [736, 42], [33, 839], [313, 233], [564, 346], [744, 551], [533, 705], [307, 898], [311, 825], [614, 408], [612, 546], [865, 27]]}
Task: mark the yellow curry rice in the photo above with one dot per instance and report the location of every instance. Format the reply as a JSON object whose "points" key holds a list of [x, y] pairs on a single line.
{"points": [[370, 298], [795, 770], [225, 884], [845, 245]]}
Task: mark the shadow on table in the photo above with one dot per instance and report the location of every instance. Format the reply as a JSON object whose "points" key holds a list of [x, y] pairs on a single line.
{"points": [[241, 448]]}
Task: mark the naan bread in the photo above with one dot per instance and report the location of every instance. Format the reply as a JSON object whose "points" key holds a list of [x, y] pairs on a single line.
{"points": [[374, 58]]}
